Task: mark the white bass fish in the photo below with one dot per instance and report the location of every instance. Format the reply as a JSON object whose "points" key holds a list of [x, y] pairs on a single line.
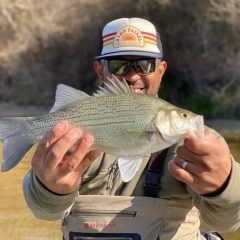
{"points": [[124, 123]]}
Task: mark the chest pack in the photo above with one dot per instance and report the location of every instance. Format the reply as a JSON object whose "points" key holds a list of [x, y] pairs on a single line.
{"points": [[96, 217]]}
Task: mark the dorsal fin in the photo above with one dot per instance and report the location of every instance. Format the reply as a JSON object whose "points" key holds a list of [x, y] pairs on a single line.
{"points": [[113, 86], [66, 95]]}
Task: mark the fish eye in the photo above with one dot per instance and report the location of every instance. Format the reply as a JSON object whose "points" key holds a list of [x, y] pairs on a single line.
{"points": [[185, 115]]}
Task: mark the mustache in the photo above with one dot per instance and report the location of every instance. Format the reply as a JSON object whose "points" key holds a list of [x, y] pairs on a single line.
{"points": [[137, 84], [140, 83]]}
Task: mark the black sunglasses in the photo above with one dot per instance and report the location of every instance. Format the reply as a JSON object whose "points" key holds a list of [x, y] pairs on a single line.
{"points": [[141, 66]]}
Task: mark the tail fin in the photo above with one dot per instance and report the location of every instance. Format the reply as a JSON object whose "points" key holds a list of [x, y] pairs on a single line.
{"points": [[17, 140]]}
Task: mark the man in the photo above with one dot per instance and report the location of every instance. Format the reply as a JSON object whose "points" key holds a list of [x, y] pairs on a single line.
{"points": [[171, 188]]}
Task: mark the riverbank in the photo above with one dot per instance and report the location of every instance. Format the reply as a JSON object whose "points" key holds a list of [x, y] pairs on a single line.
{"points": [[228, 128], [8, 109]]}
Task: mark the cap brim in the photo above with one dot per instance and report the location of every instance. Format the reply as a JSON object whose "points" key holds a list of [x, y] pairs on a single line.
{"points": [[131, 53]]}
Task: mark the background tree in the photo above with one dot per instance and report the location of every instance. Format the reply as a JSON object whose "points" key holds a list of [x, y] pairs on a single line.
{"points": [[44, 43]]}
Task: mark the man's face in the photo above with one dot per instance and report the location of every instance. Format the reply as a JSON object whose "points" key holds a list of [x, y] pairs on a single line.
{"points": [[141, 83]]}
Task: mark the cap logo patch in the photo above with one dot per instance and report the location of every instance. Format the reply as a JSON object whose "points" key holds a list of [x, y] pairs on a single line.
{"points": [[128, 37]]}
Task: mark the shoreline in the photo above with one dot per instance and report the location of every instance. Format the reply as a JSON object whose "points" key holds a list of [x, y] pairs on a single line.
{"points": [[8, 109], [228, 128]]}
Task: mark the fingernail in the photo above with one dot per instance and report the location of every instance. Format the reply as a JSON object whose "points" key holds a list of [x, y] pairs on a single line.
{"points": [[62, 125], [89, 140], [76, 133]]}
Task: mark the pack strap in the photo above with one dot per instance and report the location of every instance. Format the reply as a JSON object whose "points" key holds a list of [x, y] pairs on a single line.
{"points": [[154, 173]]}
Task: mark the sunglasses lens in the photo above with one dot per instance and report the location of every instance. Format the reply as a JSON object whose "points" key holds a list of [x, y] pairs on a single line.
{"points": [[122, 67], [119, 67], [145, 66]]}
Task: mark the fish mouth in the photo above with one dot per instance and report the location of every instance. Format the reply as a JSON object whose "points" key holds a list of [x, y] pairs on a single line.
{"points": [[200, 125]]}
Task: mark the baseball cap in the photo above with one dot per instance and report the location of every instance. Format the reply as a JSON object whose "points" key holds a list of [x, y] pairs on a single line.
{"points": [[130, 36]]}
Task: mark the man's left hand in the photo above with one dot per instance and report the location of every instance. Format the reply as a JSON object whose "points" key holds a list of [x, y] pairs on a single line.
{"points": [[203, 163]]}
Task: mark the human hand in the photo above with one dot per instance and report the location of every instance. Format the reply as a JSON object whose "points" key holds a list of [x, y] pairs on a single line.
{"points": [[58, 171], [208, 163]]}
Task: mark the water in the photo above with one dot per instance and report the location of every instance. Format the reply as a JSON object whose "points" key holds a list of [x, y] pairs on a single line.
{"points": [[17, 221]]}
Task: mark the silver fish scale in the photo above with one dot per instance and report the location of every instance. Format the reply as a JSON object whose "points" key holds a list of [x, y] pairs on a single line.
{"points": [[118, 122]]}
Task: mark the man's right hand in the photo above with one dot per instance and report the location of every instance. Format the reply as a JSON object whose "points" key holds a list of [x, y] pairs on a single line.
{"points": [[58, 171]]}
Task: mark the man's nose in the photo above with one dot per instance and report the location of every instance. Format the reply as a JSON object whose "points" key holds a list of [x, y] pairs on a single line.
{"points": [[132, 75]]}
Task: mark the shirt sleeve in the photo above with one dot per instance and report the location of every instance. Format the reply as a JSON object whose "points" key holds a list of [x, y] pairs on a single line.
{"points": [[47, 205], [43, 203], [222, 212]]}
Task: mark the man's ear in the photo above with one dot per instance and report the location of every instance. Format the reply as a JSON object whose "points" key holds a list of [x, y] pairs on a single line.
{"points": [[98, 67], [162, 67]]}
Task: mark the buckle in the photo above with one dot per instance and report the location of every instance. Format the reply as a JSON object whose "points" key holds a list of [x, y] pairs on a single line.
{"points": [[153, 180]]}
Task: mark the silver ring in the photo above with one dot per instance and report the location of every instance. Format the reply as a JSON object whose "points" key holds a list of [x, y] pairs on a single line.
{"points": [[184, 164]]}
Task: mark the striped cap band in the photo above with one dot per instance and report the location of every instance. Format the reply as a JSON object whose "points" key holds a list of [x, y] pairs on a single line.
{"points": [[147, 38]]}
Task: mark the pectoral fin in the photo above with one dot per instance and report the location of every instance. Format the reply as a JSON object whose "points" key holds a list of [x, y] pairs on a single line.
{"points": [[141, 134], [128, 166]]}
